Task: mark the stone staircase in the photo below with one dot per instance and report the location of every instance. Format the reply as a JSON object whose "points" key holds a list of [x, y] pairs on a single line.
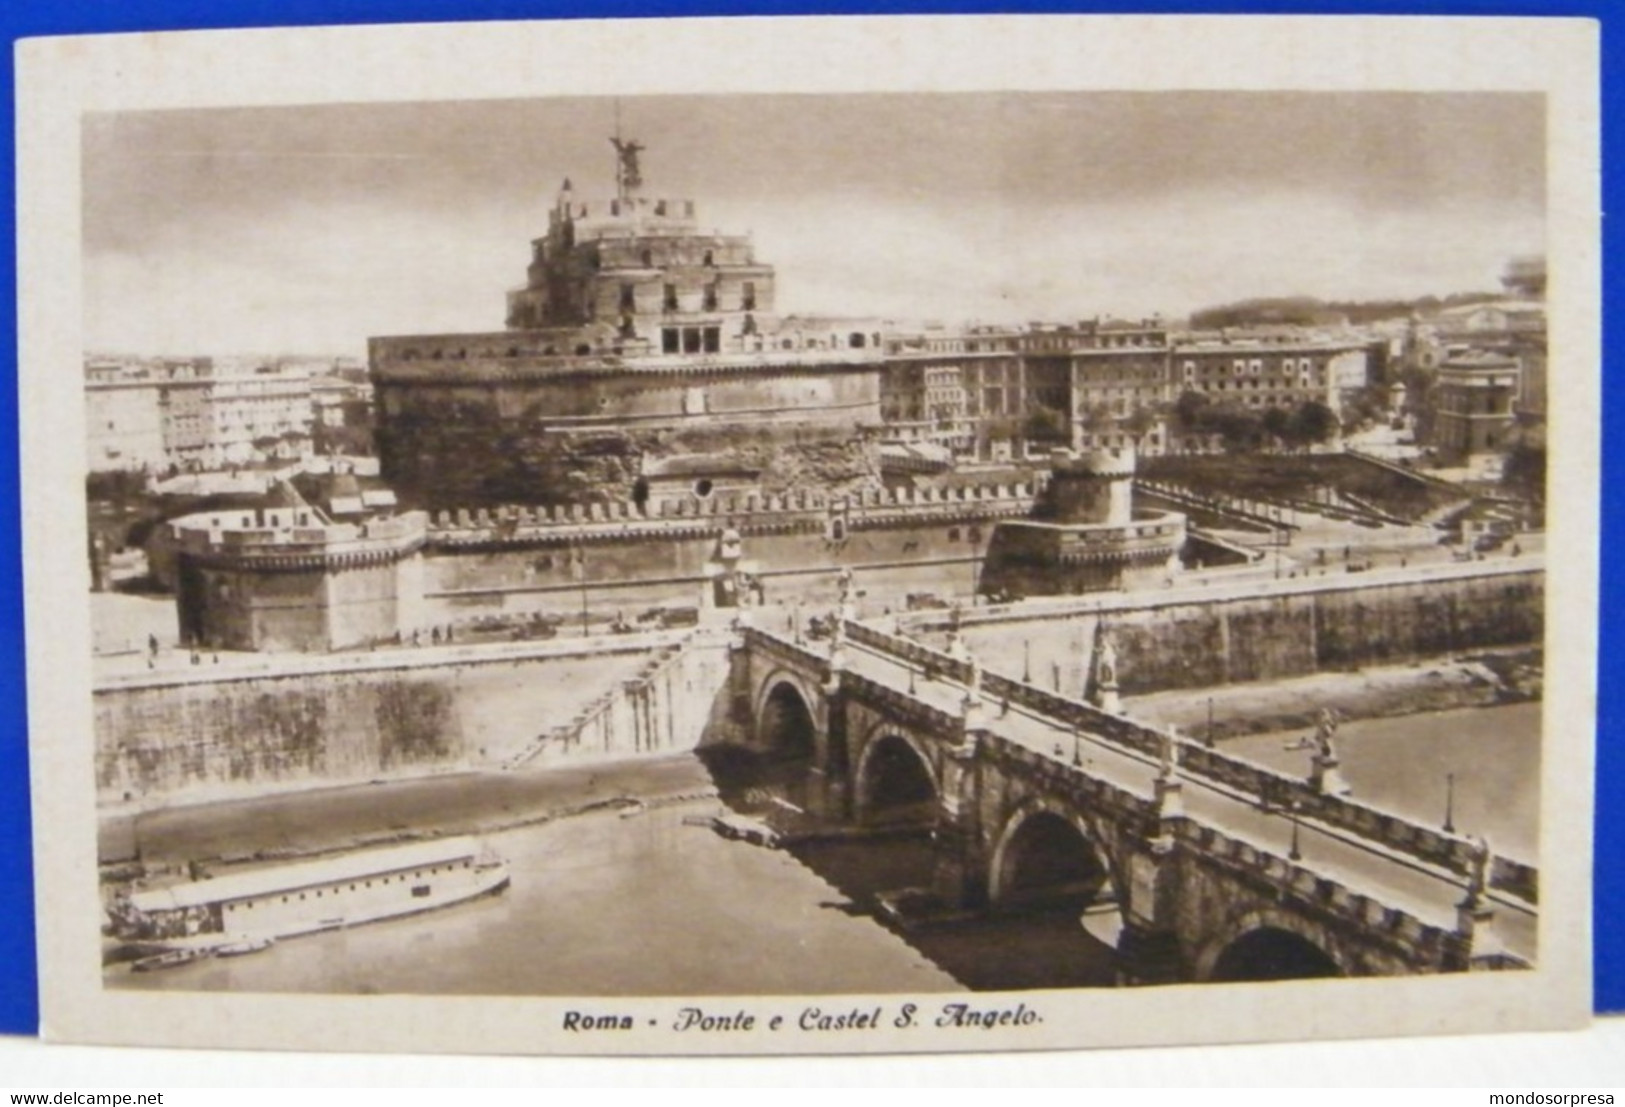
{"points": [[569, 737]]}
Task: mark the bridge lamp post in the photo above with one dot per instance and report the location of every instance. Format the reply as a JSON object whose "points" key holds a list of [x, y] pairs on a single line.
{"points": [[578, 568], [1449, 803], [1295, 853], [1026, 661]]}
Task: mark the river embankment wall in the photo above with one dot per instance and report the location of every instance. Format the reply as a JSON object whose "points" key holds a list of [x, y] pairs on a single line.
{"points": [[197, 736], [1268, 631]]}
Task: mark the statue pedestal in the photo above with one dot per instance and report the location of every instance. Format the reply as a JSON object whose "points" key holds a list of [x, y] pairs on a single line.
{"points": [[1108, 700], [1327, 778], [1169, 795], [1475, 920], [971, 710]]}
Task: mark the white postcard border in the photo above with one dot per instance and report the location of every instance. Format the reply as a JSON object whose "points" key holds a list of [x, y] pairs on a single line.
{"points": [[58, 79]]}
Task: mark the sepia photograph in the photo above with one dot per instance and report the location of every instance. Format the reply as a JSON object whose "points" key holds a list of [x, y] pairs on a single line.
{"points": [[818, 566]]}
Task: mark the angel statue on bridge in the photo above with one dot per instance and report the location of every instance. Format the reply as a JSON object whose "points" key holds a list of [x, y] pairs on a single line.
{"points": [[1106, 664], [1321, 740], [1478, 868], [1168, 752], [1325, 731]]}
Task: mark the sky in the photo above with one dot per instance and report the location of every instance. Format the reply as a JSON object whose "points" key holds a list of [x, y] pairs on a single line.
{"points": [[307, 229]]}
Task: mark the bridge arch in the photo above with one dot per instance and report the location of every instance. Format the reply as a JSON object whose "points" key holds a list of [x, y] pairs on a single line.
{"points": [[896, 782], [1048, 855], [786, 717], [1268, 945]]}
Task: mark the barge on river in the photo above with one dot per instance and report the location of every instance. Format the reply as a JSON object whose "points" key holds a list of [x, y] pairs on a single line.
{"points": [[239, 910]]}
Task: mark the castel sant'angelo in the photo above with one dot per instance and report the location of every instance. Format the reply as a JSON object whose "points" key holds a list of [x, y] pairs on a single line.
{"points": [[640, 344], [648, 431]]}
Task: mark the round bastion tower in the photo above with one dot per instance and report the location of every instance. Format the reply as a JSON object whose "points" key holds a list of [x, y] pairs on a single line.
{"points": [[1092, 488], [1084, 534]]}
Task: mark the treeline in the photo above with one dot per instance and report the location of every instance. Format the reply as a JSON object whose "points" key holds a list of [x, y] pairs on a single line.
{"points": [[1306, 311], [1243, 428]]}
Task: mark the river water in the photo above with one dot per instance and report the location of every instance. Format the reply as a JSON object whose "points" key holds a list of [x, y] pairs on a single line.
{"points": [[1403, 764], [641, 904]]}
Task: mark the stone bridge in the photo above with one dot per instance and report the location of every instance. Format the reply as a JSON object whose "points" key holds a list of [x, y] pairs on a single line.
{"points": [[1204, 865]]}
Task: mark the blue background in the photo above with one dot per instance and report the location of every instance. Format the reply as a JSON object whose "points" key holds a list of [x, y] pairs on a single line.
{"points": [[19, 1007]]}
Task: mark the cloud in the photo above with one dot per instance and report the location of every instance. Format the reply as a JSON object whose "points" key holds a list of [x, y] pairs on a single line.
{"points": [[1062, 261], [311, 229]]}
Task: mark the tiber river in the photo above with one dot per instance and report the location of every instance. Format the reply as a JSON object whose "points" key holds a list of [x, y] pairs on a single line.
{"points": [[640, 904]]}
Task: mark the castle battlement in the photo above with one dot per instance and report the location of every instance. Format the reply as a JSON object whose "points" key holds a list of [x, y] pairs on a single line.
{"points": [[748, 513], [633, 213], [1153, 536], [1111, 464], [295, 538]]}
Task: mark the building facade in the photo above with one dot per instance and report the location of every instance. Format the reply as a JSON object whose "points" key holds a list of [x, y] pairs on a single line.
{"points": [[259, 413], [196, 413], [124, 419], [1473, 405]]}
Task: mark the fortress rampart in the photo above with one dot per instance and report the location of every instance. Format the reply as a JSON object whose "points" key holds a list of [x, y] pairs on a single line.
{"points": [[748, 513]]}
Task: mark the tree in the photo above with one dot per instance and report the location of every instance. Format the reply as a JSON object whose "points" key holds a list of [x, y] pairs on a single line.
{"points": [[1364, 407], [1277, 423], [1138, 421], [1046, 424], [1096, 417], [1003, 427], [1525, 469], [1239, 428], [1313, 422], [1419, 399], [1192, 409]]}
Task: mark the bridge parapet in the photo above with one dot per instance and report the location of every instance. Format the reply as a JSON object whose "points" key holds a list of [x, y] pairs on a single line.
{"points": [[1374, 931], [1277, 879], [1452, 852], [1270, 788], [900, 705], [1067, 781], [755, 638], [905, 649], [1516, 878]]}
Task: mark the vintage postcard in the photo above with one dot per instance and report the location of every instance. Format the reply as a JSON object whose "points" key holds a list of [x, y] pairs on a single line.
{"points": [[811, 535]]}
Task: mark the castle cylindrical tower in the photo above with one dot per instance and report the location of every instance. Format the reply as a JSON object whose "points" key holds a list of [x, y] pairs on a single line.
{"points": [[1095, 487]]}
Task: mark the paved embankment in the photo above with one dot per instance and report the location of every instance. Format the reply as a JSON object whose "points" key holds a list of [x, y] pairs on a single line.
{"points": [[295, 823]]}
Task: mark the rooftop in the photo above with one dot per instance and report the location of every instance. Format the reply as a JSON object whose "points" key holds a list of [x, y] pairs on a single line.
{"points": [[305, 874]]}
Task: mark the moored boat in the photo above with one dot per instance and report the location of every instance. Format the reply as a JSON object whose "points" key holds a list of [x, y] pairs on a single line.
{"points": [[243, 945], [168, 959], [243, 912]]}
